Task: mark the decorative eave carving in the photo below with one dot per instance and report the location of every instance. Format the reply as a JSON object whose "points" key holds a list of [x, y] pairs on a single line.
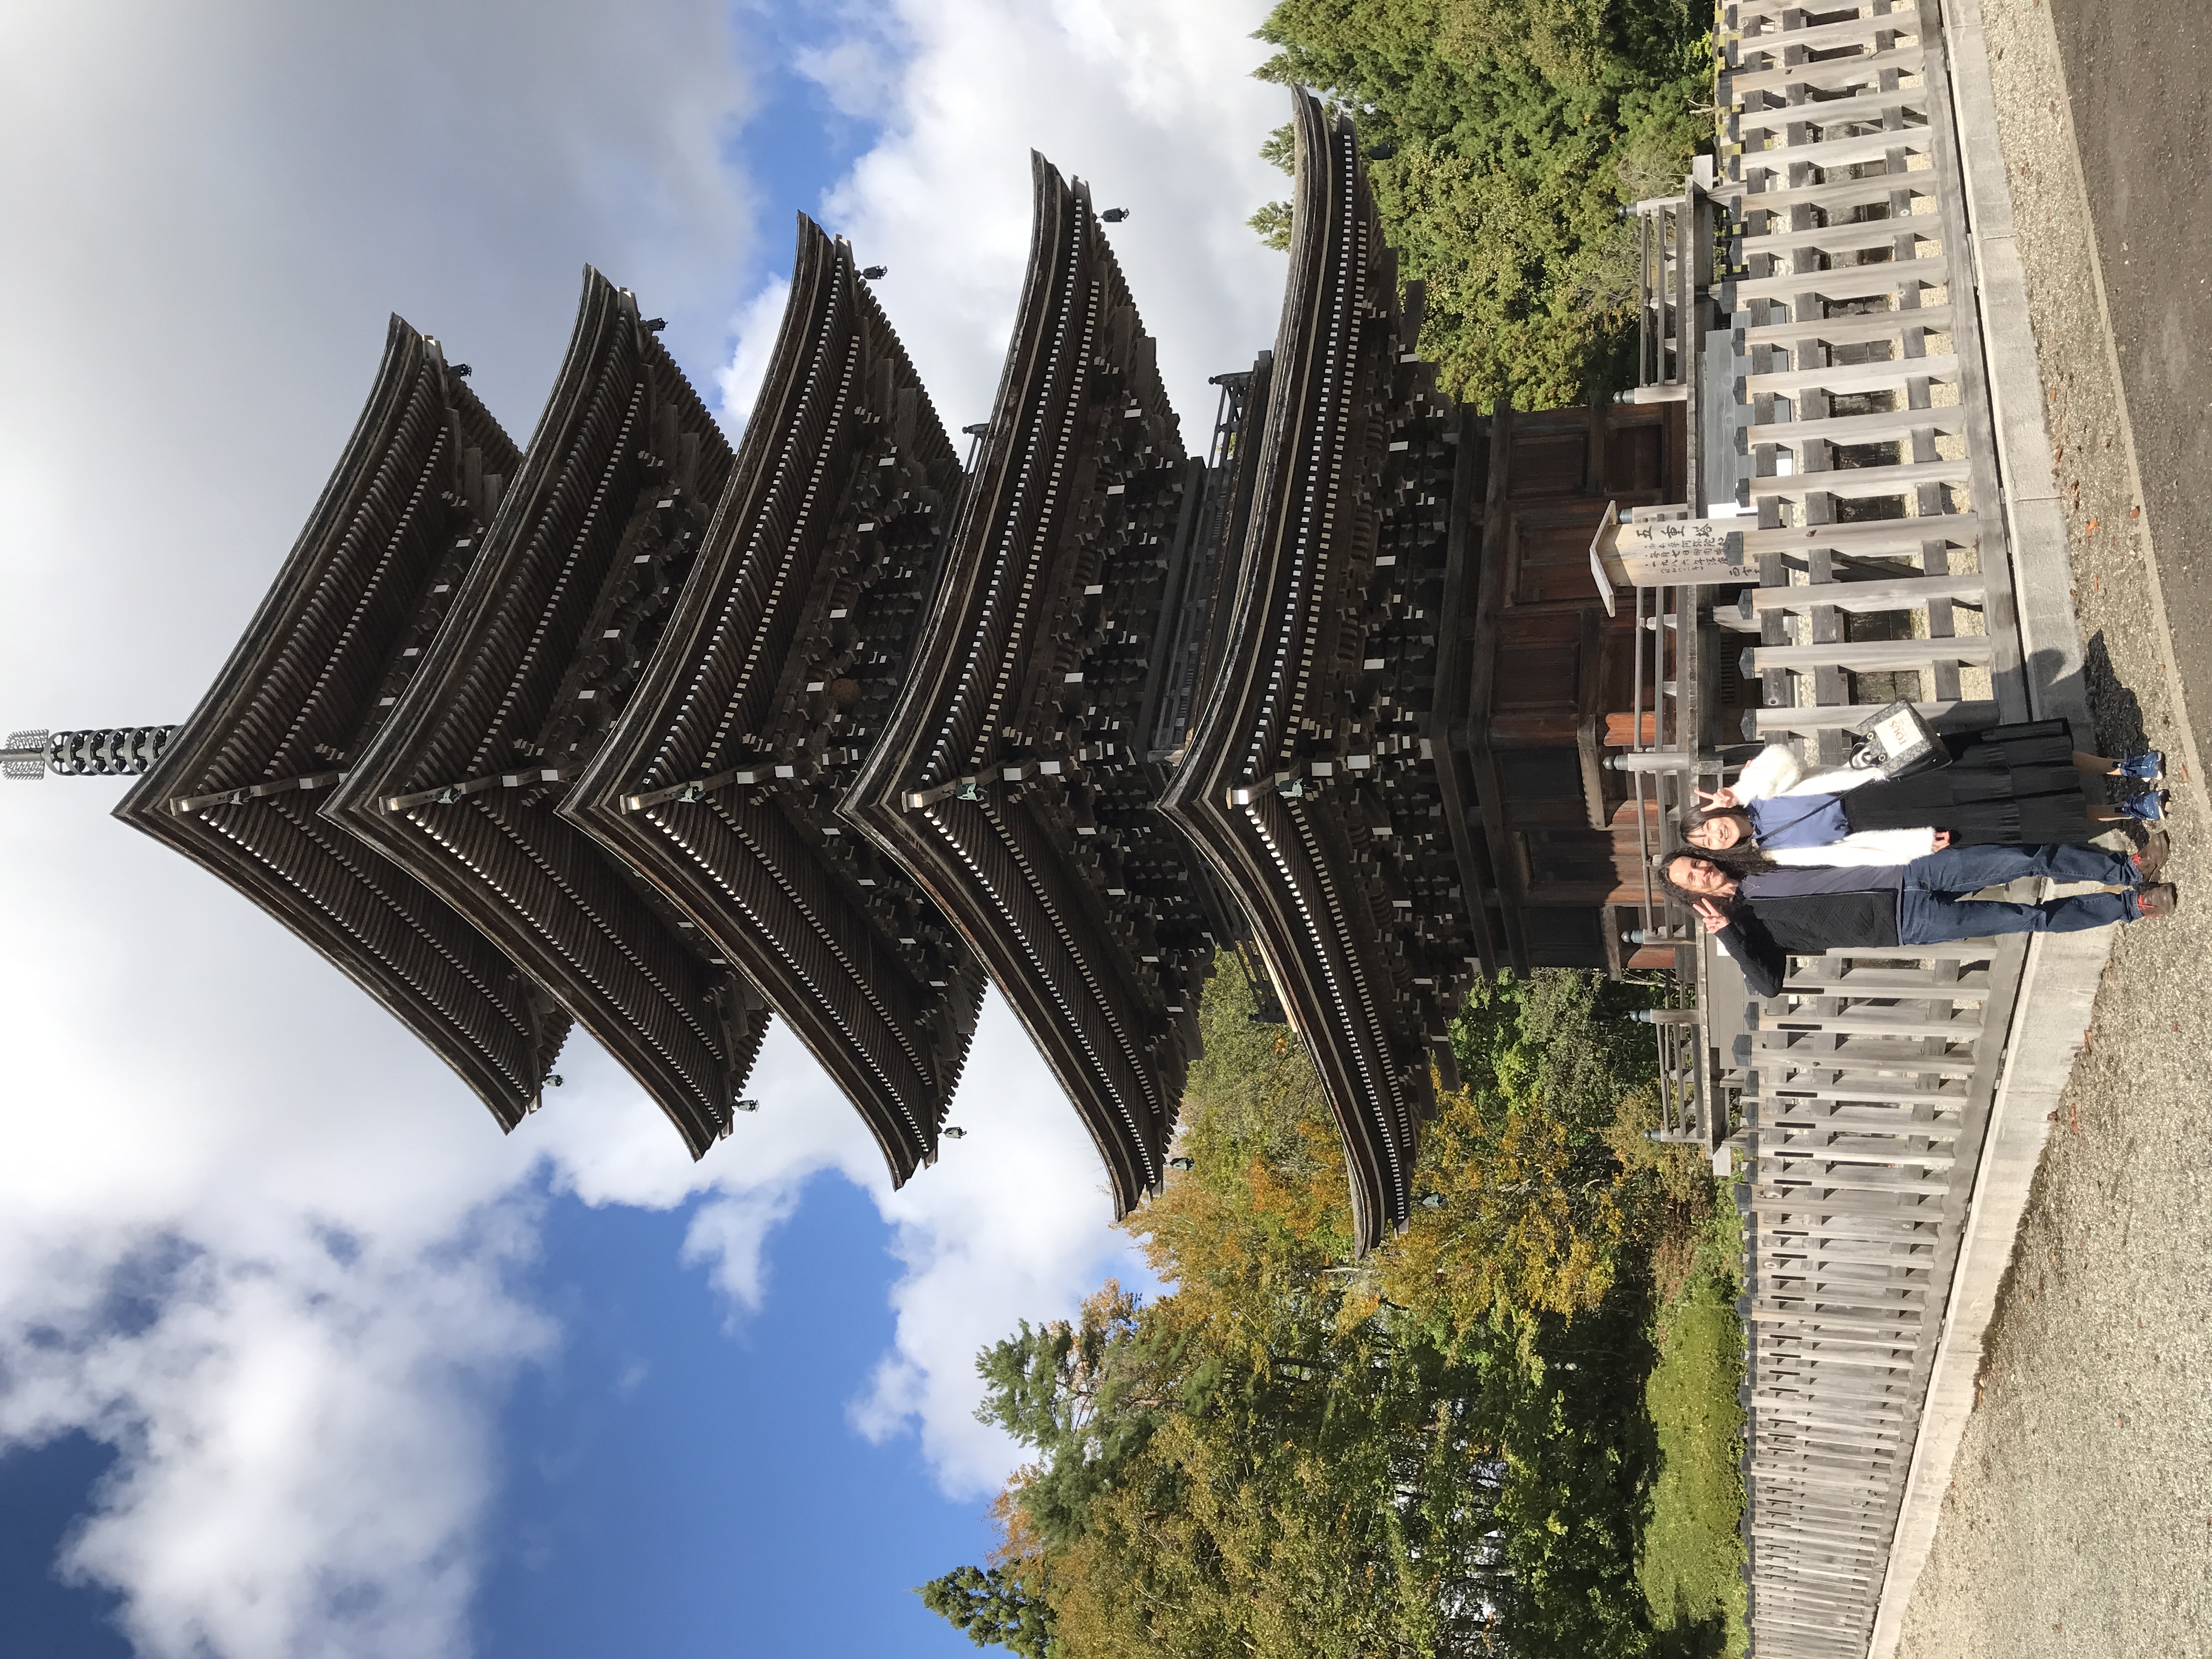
{"points": [[1010, 781], [1309, 776], [548, 635], [779, 662], [237, 787]]}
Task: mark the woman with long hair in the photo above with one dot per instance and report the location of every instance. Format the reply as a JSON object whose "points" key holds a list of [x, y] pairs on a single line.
{"points": [[2011, 786], [1764, 918]]}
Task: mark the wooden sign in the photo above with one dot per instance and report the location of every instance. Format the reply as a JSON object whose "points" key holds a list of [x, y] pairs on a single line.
{"points": [[1665, 553]]}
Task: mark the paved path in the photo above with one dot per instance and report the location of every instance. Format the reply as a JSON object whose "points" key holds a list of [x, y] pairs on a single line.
{"points": [[2079, 1521]]}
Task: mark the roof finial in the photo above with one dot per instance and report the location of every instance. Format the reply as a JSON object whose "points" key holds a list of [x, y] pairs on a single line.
{"points": [[25, 755], [101, 751]]}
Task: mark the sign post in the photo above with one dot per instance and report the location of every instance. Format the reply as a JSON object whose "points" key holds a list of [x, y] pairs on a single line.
{"points": [[1665, 553]]}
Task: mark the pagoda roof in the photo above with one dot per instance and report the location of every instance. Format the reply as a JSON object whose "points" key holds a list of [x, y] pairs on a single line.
{"points": [[595, 534], [1309, 775], [780, 660], [239, 786], [1010, 781]]}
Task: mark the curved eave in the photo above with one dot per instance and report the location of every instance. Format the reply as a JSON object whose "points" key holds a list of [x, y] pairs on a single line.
{"points": [[388, 934], [1267, 850], [311, 649], [955, 634], [783, 926], [752, 881], [548, 895], [1034, 935], [1011, 930], [1258, 852]]}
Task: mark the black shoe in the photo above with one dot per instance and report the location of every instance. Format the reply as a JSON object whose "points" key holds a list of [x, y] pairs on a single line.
{"points": [[2150, 858], [2159, 900]]}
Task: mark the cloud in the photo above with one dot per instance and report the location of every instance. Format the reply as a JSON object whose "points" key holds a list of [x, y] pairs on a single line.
{"points": [[858, 75], [211, 211], [1150, 100], [755, 327], [301, 1436], [1013, 1220], [608, 1144]]}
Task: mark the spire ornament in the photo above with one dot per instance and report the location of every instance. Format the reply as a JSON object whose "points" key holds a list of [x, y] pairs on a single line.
{"points": [[111, 752]]}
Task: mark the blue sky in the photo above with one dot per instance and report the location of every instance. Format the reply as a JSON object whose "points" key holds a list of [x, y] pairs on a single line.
{"points": [[298, 1356], [677, 1485]]}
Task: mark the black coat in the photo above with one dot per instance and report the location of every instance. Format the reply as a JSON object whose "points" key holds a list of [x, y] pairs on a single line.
{"points": [[1764, 934]]}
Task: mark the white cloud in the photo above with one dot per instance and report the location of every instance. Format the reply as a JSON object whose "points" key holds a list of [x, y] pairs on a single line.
{"points": [[1150, 100], [1012, 1222], [858, 74], [211, 210], [301, 1435], [250, 1234], [755, 327]]}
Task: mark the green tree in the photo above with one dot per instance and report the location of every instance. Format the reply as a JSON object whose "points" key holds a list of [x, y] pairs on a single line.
{"points": [[990, 1605], [1291, 1454], [1080, 1394], [1502, 137]]}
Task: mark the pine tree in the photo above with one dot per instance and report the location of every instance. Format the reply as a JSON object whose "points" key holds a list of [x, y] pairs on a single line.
{"points": [[990, 1606]]}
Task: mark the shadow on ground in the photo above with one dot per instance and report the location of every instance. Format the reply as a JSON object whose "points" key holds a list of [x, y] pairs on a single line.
{"points": [[2113, 702]]}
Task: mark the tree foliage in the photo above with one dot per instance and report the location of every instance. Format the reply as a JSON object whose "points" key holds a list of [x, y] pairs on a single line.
{"points": [[1523, 1161], [1439, 1449], [990, 1604], [1502, 138]]}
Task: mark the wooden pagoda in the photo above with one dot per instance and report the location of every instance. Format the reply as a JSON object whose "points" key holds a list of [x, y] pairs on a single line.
{"points": [[630, 731], [721, 779]]}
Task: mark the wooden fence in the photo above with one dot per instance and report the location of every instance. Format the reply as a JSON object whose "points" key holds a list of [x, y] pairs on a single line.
{"points": [[1812, 298]]}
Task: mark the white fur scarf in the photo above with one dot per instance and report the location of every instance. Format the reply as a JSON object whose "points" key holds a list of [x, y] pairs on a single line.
{"points": [[1776, 770]]}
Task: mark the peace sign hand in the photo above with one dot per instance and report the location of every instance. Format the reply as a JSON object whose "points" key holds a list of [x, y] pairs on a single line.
{"points": [[1716, 800], [1711, 913]]}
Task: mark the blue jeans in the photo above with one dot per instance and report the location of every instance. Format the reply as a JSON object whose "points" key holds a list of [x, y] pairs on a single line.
{"points": [[1930, 912]]}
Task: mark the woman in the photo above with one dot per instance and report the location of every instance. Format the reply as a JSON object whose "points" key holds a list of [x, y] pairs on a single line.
{"points": [[2012, 785], [1763, 917]]}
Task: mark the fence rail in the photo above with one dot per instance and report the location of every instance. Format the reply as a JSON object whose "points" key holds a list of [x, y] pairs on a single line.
{"points": [[1811, 299]]}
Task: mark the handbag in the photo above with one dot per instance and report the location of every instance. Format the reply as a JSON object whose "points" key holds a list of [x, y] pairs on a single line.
{"points": [[1898, 743]]}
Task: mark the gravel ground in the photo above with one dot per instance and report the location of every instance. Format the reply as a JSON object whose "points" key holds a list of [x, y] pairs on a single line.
{"points": [[2079, 1519]]}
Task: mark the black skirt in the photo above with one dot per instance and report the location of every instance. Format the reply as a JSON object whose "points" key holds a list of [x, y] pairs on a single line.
{"points": [[2010, 786]]}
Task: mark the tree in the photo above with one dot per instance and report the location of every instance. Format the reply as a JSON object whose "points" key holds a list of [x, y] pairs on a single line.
{"points": [[1291, 1454], [1527, 1209], [990, 1604], [1503, 137], [1058, 1389]]}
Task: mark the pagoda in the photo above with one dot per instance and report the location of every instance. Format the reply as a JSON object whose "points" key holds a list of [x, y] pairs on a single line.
{"points": [[630, 731]]}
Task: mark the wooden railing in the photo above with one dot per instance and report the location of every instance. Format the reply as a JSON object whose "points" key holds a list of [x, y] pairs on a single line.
{"points": [[1864, 419], [1864, 1095], [1850, 423]]}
